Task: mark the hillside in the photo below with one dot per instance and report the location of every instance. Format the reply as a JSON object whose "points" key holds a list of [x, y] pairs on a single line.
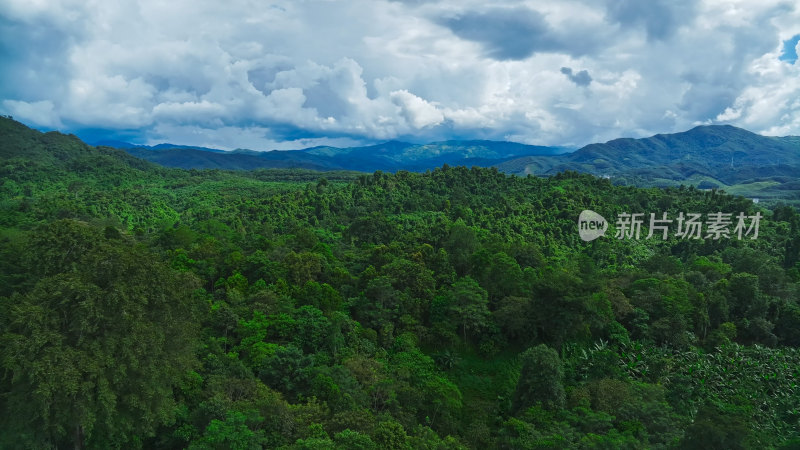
{"points": [[388, 157], [722, 156], [53, 150], [154, 308]]}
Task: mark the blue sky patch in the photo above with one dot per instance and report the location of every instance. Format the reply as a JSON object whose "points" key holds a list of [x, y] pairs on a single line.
{"points": [[789, 53]]}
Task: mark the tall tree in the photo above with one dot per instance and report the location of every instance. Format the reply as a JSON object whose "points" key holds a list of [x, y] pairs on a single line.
{"points": [[90, 353], [468, 306], [541, 379]]}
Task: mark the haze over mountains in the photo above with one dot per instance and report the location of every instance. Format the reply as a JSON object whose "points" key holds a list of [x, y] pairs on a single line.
{"points": [[715, 156], [724, 153], [389, 156]]}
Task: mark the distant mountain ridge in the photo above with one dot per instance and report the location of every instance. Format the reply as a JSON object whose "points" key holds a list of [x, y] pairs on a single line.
{"points": [[123, 145], [712, 156], [708, 147], [388, 156], [709, 156], [728, 154]]}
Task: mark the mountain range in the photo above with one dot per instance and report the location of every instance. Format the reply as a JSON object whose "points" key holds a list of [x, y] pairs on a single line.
{"points": [[713, 156], [728, 154], [709, 156], [389, 156]]}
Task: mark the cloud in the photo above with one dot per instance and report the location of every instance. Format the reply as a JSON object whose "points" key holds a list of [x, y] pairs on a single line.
{"points": [[771, 103], [281, 75], [505, 33], [189, 112], [581, 78], [40, 114], [248, 137], [417, 112], [659, 18]]}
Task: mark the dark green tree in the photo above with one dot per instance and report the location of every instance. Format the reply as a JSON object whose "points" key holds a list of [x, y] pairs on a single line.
{"points": [[468, 306], [540, 380], [90, 353]]}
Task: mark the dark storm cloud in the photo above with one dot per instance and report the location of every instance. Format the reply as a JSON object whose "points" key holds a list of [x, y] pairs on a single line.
{"points": [[32, 56], [660, 18], [506, 33], [581, 78]]}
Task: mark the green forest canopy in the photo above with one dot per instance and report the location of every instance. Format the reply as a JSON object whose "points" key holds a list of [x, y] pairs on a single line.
{"points": [[143, 307]]}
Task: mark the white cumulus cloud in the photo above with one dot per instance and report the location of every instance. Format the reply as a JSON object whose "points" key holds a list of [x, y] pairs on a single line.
{"points": [[285, 73], [417, 111]]}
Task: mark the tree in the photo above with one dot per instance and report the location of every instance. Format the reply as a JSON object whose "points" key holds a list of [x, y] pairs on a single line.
{"points": [[288, 370], [90, 353], [540, 381], [503, 277], [380, 303], [717, 429], [515, 317], [415, 281], [460, 244], [745, 296], [231, 433], [468, 306], [354, 440], [390, 435]]}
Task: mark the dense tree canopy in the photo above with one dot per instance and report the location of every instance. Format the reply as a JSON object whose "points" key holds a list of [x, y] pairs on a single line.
{"points": [[142, 307]]}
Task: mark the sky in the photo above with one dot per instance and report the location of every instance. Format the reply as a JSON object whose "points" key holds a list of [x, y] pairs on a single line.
{"points": [[294, 74]]}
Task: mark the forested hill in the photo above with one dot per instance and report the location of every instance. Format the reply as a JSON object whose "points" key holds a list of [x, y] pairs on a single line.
{"points": [[145, 307], [389, 156], [55, 150], [721, 157], [728, 153], [716, 156]]}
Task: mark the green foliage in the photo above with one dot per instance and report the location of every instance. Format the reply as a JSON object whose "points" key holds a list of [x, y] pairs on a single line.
{"points": [[390, 435], [540, 381], [91, 349], [142, 307], [231, 433], [715, 429], [467, 307]]}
